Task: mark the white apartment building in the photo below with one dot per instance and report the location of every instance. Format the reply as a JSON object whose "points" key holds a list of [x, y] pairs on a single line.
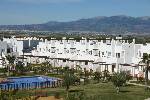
{"points": [[114, 55], [99, 55], [17, 47]]}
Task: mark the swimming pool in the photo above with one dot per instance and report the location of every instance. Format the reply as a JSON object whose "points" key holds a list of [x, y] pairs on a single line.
{"points": [[31, 82]]}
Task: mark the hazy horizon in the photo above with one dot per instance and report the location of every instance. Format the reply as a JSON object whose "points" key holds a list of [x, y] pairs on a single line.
{"points": [[36, 12], [75, 19]]}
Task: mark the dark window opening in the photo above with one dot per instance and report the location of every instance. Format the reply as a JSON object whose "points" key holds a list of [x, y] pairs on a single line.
{"points": [[113, 67], [86, 63], [8, 50], [118, 55]]}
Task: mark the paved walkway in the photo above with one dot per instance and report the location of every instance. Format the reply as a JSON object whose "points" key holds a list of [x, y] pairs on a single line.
{"points": [[147, 99], [49, 98], [137, 84]]}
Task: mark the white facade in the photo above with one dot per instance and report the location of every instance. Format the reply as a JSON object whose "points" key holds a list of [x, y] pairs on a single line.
{"points": [[93, 54], [99, 55], [17, 45]]}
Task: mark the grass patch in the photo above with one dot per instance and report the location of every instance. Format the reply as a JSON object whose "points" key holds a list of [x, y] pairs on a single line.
{"points": [[100, 91]]}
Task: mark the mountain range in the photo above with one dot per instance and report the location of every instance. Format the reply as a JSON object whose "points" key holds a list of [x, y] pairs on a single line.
{"points": [[113, 24]]}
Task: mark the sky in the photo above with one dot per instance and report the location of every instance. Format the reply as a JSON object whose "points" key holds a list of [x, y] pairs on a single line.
{"points": [[42, 11]]}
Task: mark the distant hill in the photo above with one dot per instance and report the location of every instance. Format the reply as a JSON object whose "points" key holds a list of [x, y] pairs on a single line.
{"points": [[113, 24]]}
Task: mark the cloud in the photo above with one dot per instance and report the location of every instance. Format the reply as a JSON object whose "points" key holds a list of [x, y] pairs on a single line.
{"points": [[45, 1]]}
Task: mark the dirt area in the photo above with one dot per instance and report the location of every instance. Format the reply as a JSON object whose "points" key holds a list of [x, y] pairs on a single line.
{"points": [[49, 98]]}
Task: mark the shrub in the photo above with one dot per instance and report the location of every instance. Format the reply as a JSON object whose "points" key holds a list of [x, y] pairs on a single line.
{"points": [[119, 79]]}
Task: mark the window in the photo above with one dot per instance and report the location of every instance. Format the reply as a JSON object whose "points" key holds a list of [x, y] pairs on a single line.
{"points": [[67, 51], [104, 41], [53, 51], [109, 53], [77, 40], [117, 55], [8, 50], [95, 52], [123, 53], [3, 50], [90, 52], [86, 63], [99, 53], [102, 53], [140, 55], [113, 68], [64, 60]]}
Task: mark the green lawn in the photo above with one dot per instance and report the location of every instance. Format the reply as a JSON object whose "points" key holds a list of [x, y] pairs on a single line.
{"points": [[100, 91]]}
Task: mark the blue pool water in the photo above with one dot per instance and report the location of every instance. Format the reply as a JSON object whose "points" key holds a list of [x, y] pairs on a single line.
{"points": [[27, 82]]}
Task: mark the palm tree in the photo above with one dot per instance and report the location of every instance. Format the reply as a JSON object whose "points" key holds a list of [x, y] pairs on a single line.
{"points": [[20, 69], [146, 60], [57, 70], [68, 80], [11, 60], [86, 76], [119, 79], [97, 76], [44, 67], [91, 73], [61, 70], [29, 68], [106, 75], [3, 62], [78, 69]]}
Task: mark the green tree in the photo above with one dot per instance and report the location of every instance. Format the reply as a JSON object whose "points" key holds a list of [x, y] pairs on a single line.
{"points": [[119, 79], [146, 60], [78, 69], [44, 68], [20, 69], [106, 75], [68, 80], [11, 60], [86, 76], [97, 76]]}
